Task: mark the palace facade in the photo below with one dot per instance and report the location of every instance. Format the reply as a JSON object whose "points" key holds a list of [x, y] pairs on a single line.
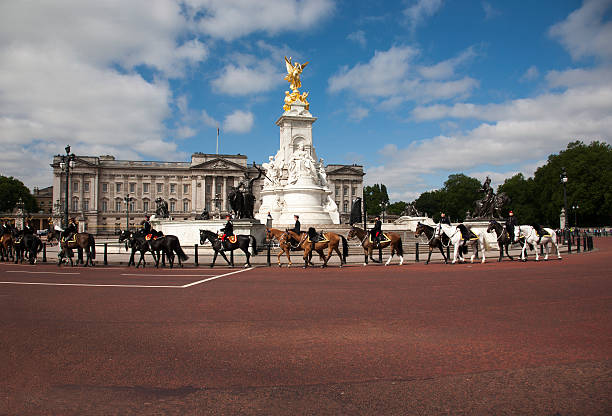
{"points": [[104, 192]]}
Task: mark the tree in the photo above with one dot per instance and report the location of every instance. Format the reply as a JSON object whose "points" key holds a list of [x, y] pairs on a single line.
{"points": [[455, 198], [397, 208], [375, 196], [11, 190], [522, 193]]}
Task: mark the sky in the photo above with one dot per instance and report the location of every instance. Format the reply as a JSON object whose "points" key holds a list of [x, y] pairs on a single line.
{"points": [[412, 90]]}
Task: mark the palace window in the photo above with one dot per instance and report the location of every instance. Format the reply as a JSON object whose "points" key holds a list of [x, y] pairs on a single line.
{"points": [[75, 204], [185, 206], [337, 190], [118, 205], [86, 204], [172, 188], [75, 186], [104, 205], [185, 189], [145, 188], [118, 187], [132, 206], [345, 191], [345, 206], [172, 206], [160, 187], [354, 190], [104, 187], [132, 188], [86, 186], [145, 206]]}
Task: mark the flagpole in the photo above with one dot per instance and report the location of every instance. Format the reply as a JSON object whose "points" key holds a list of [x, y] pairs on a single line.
{"points": [[217, 139]]}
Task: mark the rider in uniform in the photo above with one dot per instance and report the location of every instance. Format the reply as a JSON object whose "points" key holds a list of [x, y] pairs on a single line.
{"points": [[510, 224], [70, 230], [228, 230], [27, 227], [539, 231], [444, 219], [296, 227], [376, 231], [6, 228]]}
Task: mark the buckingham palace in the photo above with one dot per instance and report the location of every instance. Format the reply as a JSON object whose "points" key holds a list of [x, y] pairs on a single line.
{"points": [[101, 186]]}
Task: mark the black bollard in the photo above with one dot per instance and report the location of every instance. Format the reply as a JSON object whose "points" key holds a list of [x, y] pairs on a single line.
{"points": [[590, 243], [416, 253], [232, 258], [268, 262], [195, 255], [584, 242], [569, 246], [44, 259], [448, 251], [578, 244], [380, 254], [106, 254]]}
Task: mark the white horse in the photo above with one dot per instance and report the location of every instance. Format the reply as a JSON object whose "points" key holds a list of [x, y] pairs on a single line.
{"points": [[454, 235], [531, 237]]}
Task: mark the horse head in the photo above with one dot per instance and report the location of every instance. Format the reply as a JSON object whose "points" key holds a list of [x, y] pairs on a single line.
{"points": [[492, 226], [207, 235]]}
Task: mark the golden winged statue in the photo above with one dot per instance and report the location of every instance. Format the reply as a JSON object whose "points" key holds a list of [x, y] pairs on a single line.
{"points": [[294, 70]]}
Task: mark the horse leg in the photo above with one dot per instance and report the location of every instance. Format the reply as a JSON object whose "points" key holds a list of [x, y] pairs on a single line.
{"points": [[337, 250], [248, 256], [214, 259], [391, 256], [225, 258], [537, 252]]}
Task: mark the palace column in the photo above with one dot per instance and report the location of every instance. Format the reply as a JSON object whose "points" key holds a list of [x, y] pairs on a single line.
{"points": [[195, 201]]}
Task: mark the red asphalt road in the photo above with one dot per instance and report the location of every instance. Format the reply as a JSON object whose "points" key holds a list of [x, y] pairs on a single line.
{"points": [[499, 338]]}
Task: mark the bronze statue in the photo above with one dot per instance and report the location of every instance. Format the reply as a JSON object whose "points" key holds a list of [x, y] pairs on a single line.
{"points": [[241, 198], [162, 208], [490, 205]]}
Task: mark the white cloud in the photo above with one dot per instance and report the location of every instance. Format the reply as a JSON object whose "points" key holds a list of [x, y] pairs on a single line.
{"points": [[232, 19], [393, 77], [239, 122], [358, 37], [240, 79], [359, 113], [421, 10], [584, 33], [531, 74]]}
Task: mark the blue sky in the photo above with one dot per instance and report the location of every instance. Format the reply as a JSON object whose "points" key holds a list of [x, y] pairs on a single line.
{"points": [[413, 90]]}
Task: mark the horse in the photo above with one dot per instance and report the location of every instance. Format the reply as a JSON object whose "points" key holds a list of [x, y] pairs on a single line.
{"points": [[27, 246], [454, 233], [6, 247], [283, 243], [170, 245], [531, 238], [242, 243], [503, 238], [53, 234], [83, 241], [395, 242], [136, 244], [331, 242], [434, 241]]}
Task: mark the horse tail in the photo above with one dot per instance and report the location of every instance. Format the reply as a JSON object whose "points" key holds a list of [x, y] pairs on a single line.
{"points": [[252, 238], [345, 248], [400, 247], [464, 249], [92, 246], [180, 251]]}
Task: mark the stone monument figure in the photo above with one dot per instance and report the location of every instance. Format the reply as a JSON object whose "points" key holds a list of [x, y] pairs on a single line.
{"points": [[162, 208], [490, 206], [241, 198]]}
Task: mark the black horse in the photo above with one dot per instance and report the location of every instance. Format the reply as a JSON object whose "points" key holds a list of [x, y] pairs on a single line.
{"points": [[169, 245], [27, 246], [242, 242], [136, 243], [503, 238], [433, 240]]}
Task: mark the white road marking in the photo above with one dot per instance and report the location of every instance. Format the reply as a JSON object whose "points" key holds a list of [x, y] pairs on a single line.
{"points": [[168, 275], [217, 277], [87, 284]]}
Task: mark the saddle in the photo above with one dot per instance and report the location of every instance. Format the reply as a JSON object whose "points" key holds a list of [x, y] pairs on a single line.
{"points": [[231, 238], [383, 238], [319, 238], [151, 237], [471, 236]]}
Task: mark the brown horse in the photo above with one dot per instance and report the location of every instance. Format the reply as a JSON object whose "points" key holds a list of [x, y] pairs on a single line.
{"points": [[6, 247], [394, 241], [331, 242], [83, 241], [285, 245]]}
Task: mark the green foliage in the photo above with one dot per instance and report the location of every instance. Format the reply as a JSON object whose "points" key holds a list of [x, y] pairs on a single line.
{"points": [[11, 190], [589, 184], [375, 196], [396, 208], [521, 192], [455, 198]]}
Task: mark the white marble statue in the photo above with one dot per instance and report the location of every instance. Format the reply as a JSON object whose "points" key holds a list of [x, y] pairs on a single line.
{"points": [[322, 173], [301, 164]]}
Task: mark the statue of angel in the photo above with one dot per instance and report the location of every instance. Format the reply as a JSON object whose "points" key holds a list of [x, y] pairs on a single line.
{"points": [[294, 70]]}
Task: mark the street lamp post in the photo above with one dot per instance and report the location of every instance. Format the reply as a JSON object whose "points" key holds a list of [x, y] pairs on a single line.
{"points": [[128, 199], [575, 208], [564, 181], [20, 212], [67, 162], [217, 200]]}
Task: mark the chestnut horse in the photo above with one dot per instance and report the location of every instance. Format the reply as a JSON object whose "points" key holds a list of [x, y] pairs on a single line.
{"points": [[84, 241], [6, 247], [285, 245], [394, 241], [331, 242]]}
